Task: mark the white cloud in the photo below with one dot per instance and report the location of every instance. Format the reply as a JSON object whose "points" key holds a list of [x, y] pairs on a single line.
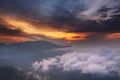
{"points": [[85, 62], [92, 10]]}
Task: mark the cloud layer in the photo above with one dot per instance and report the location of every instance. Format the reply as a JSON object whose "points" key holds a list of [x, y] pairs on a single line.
{"points": [[77, 19], [101, 10], [77, 61]]}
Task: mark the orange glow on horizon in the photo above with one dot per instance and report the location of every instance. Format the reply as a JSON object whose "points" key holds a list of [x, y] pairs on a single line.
{"points": [[113, 36], [30, 29], [12, 39]]}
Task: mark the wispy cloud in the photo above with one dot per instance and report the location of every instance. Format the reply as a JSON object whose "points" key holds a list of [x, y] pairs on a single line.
{"points": [[101, 10]]}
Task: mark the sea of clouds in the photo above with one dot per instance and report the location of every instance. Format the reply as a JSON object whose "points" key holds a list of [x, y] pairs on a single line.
{"points": [[100, 62]]}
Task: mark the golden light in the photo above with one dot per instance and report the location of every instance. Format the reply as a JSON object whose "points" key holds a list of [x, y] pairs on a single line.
{"points": [[113, 36], [12, 39], [43, 30]]}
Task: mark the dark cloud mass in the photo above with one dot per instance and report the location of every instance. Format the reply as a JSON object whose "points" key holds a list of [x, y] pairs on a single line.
{"points": [[70, 16], [77, 15], [7, 31]]}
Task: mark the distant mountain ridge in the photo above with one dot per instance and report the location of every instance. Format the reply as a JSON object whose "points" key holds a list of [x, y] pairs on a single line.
{"points": [[31, 46], [25, 53]]}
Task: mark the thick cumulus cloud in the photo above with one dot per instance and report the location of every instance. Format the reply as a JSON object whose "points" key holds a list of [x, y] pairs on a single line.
{"points": [[81, 61]]}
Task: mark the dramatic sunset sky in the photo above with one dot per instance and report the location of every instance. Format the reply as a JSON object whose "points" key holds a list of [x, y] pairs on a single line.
{"points": [[29, 20], [72, 35]]}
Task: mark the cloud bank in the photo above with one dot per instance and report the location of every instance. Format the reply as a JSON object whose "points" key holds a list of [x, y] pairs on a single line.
{"points": [[77, 61]]}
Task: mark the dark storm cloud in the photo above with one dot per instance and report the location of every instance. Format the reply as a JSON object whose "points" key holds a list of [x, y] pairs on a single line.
{"points": [[69, 16], [77, 15], [15, 6], [7, 31], [104, 18]]}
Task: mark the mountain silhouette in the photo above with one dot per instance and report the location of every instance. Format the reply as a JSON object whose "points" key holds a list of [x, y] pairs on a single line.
{"points": [[30, 46]]}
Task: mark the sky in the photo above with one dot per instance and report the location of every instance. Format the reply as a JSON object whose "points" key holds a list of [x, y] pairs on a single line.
{"points": [[74, 38], [59, 20]]}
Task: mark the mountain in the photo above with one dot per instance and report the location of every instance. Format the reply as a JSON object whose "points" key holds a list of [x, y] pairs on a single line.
{"points": [[30, 46], [25, 53]]}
